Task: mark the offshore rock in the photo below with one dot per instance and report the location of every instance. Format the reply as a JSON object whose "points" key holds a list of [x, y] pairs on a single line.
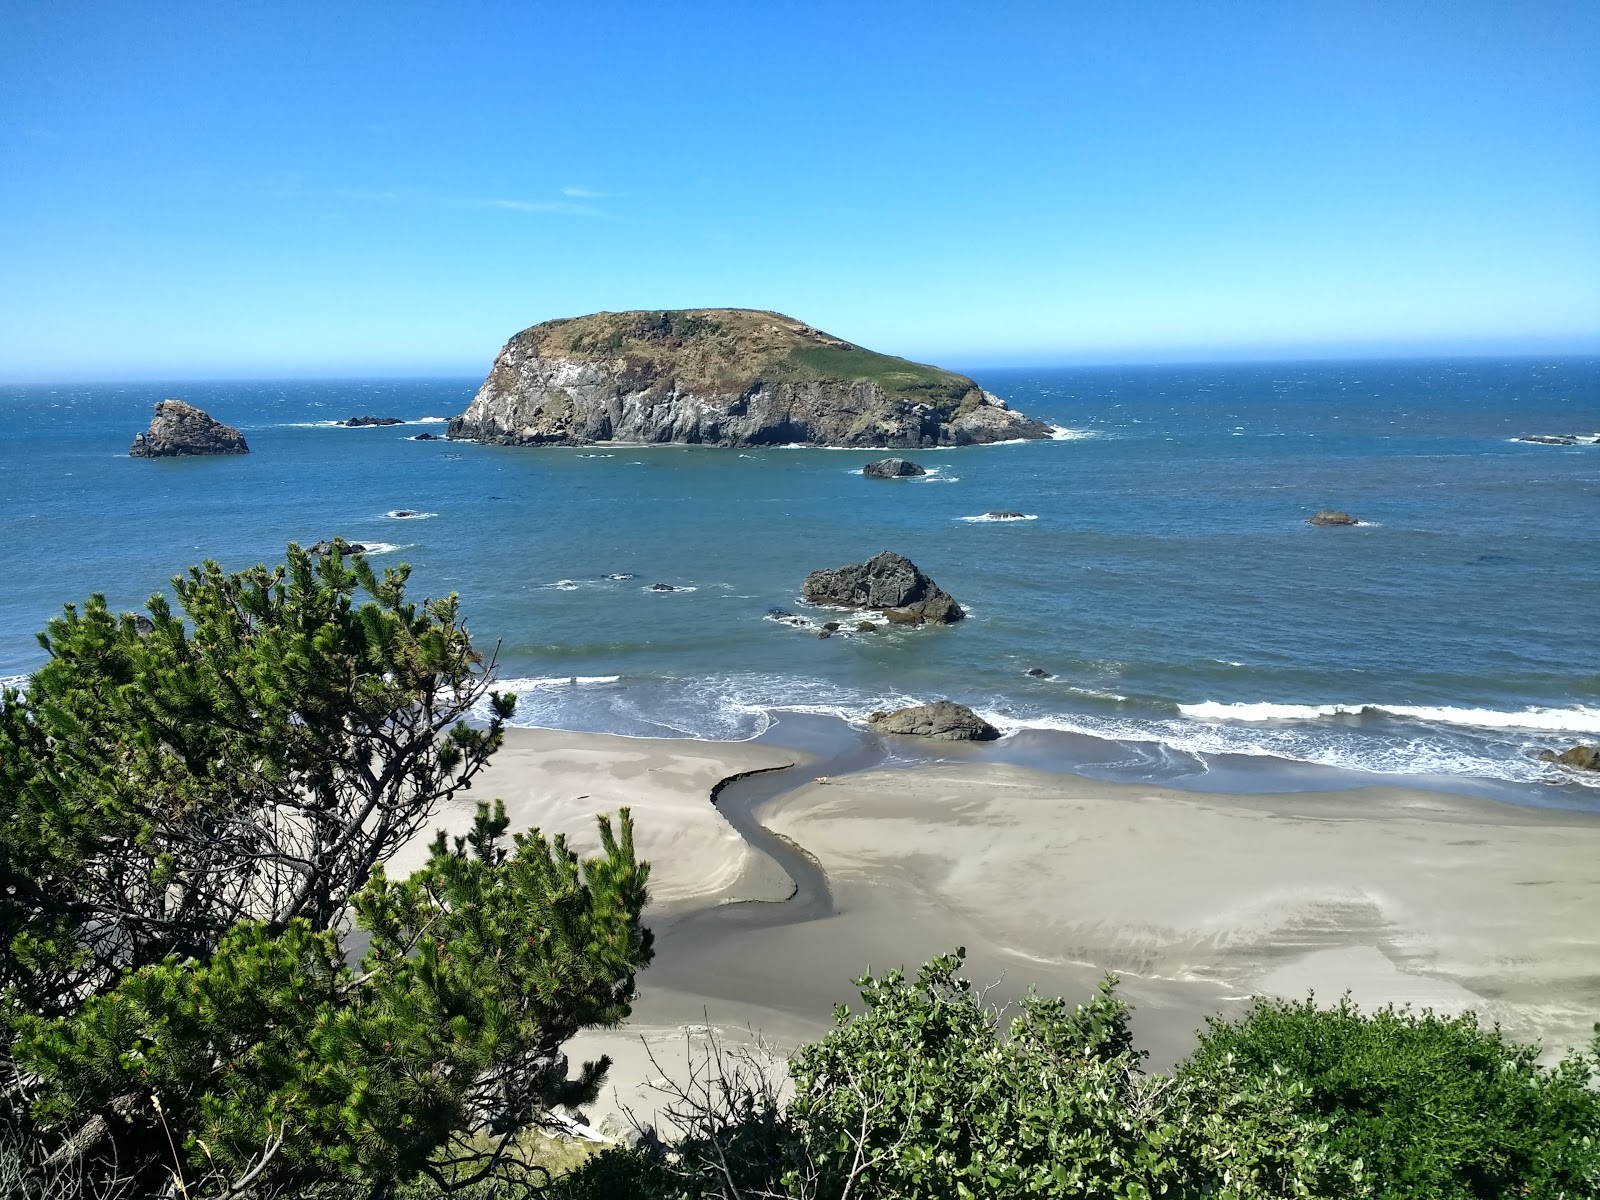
{"points": [[723, 377], [944, 720], [357, 422], [892, 468], [178, 429], [338, 545], [1329, 516], [890, 582], [1579, 758]]}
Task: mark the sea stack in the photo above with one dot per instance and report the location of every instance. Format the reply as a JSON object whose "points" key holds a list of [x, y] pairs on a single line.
{"points": [[1330, 516], [181, 429], [723, 377], [888, 582]]}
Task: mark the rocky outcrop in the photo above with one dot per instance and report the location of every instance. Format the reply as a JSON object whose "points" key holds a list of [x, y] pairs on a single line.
{"points": [[892, 468], [1561, 439], [181, 429], [944, 720], [889, 582], [357, 422], [723, 377], [425, 437], [1330, 516], [338, 545], [1579, 758], [1006, 515]]}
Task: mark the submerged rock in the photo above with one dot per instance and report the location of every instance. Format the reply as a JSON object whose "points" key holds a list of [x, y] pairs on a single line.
{"points": [[662, 587], [892, 468], [356, 422], [1579, 758], [180, 429], [1006, 515], [944, 720], [1331, 516], [890, 582], [1561, 439], [425, 437], [1038, 673], [723, 377]]}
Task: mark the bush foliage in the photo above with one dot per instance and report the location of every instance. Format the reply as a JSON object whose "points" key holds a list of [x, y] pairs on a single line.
{"points": [[927, 1092]]}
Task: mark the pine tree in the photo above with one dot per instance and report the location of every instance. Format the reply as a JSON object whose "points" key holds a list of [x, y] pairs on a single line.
{"points": [[190, 809]]}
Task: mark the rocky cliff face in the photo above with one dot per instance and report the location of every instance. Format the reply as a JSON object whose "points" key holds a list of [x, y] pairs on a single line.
{"points": [[725, 377], [179, 428]]}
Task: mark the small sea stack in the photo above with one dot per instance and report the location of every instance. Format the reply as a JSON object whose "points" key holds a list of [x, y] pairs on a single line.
{"points": [[180, 429], [358, 422], [888, 582], [893, 468], [1331, 516]]}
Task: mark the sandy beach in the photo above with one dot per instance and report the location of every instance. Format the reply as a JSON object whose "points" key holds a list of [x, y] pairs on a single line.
{"points": [[1198, 901]]}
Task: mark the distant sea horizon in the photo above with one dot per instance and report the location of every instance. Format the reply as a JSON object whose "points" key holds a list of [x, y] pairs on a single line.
{"points": [[1191, 627]]}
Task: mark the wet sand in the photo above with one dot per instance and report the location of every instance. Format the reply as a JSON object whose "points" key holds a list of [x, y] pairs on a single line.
{"points": [[1198, 900]]}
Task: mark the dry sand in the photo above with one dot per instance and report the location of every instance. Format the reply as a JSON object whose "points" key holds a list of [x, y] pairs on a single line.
{"points": [[1199, 900]]}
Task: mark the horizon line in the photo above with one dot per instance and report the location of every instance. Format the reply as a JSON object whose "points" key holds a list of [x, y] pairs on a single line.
{"points": [[1087, 362]]}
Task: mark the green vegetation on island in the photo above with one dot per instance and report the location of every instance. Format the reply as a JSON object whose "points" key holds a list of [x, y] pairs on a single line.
{"points": [[210, 987]]}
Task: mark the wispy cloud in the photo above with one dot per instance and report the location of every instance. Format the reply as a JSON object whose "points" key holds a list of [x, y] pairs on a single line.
{"points": [[567, 207], [583, 193]]}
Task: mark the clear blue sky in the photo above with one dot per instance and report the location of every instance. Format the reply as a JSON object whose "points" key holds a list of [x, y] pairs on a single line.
{"points": [[341, 187]]}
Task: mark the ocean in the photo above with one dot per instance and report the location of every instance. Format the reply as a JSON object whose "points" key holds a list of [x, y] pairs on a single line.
{"points": [[1193, 629]]}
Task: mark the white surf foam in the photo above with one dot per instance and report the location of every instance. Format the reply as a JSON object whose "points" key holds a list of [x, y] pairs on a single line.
{"points": [[1060, 433], [382, 548], [430, 421], [677, 587], [991, 517], [406, 514], [1554, 720], [534, 683]]}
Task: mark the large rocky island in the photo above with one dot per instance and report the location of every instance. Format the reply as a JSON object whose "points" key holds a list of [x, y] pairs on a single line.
{"points": [[723, 377]]}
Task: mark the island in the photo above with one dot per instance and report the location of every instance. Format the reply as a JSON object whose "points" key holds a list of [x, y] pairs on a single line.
{"points": [[723, 377], [179, 429]]}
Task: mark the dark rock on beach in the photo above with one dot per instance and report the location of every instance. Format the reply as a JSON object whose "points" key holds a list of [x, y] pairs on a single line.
{"points": [[1331, 516], [943, 720], [892, 468], [723, 377], [357, 422], [182, 429], [890, 582], [1579, 758], [338, 544]]}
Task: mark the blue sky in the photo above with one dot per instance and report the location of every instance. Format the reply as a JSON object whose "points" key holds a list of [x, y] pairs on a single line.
{"points": [[283, 188]]}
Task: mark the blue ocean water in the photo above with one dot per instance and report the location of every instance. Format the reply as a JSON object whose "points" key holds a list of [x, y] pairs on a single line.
{"points": [[1193, 627]]}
